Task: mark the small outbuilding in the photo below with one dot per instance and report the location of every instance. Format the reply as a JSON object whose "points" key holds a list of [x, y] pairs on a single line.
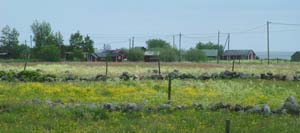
{"points": [[151, 56], [239, 54], [4, 55], [111, 55], [296, 56]]}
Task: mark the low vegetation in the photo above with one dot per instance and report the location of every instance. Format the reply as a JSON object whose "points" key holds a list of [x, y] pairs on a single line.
{"points": [[122, 102]]}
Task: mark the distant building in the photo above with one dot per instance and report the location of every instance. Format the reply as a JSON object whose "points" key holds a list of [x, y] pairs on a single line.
{"points": [[296, 56], [4, 55], [111, 55], [210, 53], [151, 56], [239, 54]]}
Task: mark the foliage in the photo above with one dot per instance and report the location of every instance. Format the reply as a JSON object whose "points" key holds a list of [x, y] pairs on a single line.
{"points": [[27, 76], [21, 113], [125, 51], [10, 43], [168, 54], [157, 43], [194, 55], [210, 45], [76, 40], [47, 44], [43, 34], [81, 45], [9, 37], [24, 105], [135, 54], [48, 53]]}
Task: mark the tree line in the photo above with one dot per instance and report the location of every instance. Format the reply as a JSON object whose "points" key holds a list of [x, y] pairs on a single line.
{"points": [[49, 46], [171, 54]]}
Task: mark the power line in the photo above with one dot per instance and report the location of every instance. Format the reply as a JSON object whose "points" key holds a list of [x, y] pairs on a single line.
{"points": [[248, 30], [276, 23]]}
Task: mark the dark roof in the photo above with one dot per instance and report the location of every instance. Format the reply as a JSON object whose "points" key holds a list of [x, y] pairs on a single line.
{"points": [[105, 53], [237, 52], [297, 52]]}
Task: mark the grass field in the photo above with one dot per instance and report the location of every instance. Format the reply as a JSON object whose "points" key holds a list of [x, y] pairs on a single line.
{"points": [[141, 68], [24, 108]]}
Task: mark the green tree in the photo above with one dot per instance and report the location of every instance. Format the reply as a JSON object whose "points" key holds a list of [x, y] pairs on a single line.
{"points": [[76, 40], [210, 45], [10, 42], [135, 54], [168, 54], [58, 39], [42, 34], [157, 43], [49, 53], [88, 45], [194, 55], [45, 39], [81, 45]]}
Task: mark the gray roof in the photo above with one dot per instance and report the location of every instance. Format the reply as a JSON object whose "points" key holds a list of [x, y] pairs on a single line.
{"points": [[4, 53], [151, 53], [237, 52], [296, 53], [210, 52], [105, 53]]}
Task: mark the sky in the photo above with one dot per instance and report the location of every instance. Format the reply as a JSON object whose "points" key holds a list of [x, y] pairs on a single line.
{"points": [[115, 21]]}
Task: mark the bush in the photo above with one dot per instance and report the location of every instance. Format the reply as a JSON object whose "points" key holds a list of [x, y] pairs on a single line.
{"points": [[135, 54], [194, 55], [8, 76], [48, 53], [26, 76], [169, 54], [29, 76]]}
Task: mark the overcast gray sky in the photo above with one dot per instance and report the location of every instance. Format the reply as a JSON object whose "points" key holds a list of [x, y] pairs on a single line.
{"points": [[114, 21]]}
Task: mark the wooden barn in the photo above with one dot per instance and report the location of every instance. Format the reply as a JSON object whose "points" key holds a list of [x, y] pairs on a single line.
{"points": [[111, 55], [296, 56], [239, 54], [151, 56]]}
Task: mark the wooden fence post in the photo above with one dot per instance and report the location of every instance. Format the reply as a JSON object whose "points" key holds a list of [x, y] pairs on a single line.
{"points": [[159, 66], [169, 88], [233, 62], [106, 66], [227, 130]]}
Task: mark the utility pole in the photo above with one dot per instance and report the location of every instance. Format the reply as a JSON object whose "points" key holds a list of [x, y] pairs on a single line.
{"points": [[129, 43], [26, 57], [132, 42], [30, 41], [228, 40], [218, 47], [268, 40], [180, 46], [173, 41]]}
